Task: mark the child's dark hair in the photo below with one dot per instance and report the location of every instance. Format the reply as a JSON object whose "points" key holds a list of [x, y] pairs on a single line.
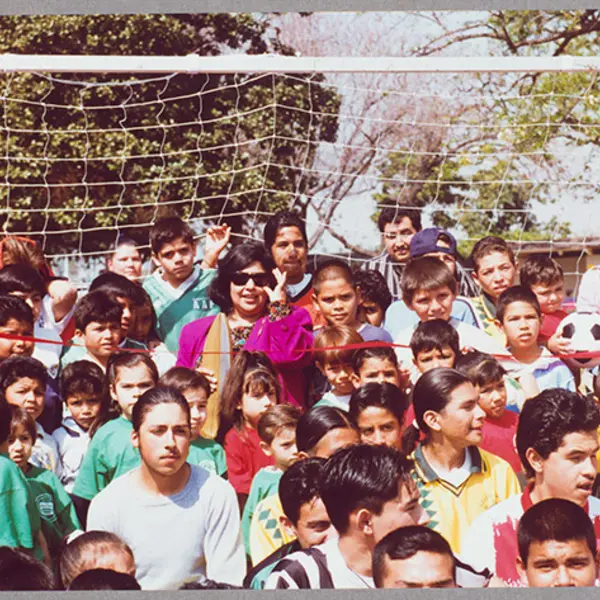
{"points": [[182, 379], [361, 476], [539, 269], [237, 259], [380, 395], [19, 416], [489, 245], [516, 293], [128, 360], [82, 553], [426, 273], [97, 307], [104, 579], [395, 214], [117, 286], [554, 519], [300, 485], [250, 372], [276, 419], [482, 369], [281, 219], [329, 346], [403, 543], [362, 355], [209, 584], [85, 378], [432, 391], [546, 419], [314, 424], [12, 307], [15, 368], [434, 335], [153, 397], [21, 278], [333, 268], [19, 571], [167, 230], [373, 287]]}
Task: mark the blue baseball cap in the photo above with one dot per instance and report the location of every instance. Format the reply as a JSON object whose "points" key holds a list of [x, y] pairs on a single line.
{"points": [[428, 240]]}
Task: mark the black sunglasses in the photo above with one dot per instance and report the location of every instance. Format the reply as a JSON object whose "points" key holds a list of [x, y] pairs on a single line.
{"points": [[260, 279]]}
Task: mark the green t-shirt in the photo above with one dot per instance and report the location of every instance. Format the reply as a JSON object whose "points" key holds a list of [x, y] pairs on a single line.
{"points": [[172, 313], [264, 484], [20, 520], [208, 454], [54, 505], [109, 455]]}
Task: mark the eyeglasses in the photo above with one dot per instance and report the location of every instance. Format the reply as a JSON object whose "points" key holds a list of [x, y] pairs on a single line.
{"points": [[260, 279]]}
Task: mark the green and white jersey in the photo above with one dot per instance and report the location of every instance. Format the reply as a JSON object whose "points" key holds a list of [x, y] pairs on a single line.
{"points": [[208, 454], [176, 307]]}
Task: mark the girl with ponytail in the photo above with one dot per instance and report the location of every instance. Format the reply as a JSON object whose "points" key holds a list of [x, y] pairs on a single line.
{"points": [[457, 480]]}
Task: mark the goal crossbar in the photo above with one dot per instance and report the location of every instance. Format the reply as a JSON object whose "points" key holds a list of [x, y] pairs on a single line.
{"points": [[275, 63]]}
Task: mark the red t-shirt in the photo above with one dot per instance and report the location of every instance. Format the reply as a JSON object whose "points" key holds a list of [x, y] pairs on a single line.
{"points": [[498, 438], [549, 324], [244, 458]]}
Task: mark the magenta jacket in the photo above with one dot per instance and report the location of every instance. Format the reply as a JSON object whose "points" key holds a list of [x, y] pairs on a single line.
{"points": [[287, 342]]}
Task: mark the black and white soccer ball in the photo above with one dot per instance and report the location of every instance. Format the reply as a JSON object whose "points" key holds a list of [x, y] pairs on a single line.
{"points": [[583, 330]]}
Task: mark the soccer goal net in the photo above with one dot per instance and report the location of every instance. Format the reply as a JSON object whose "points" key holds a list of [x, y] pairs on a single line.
{"points": [[96, 146]]}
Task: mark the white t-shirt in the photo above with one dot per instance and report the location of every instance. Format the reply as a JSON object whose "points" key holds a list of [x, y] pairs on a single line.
{"points": [[178, 538]]}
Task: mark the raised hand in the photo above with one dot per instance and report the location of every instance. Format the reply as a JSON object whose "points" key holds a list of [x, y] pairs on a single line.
{"points": [[279, 293], [217, 238], [210, 377]]}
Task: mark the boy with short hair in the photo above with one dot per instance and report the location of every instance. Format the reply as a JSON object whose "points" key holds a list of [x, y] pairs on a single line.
{"points": [[277, 431], [23, 383], [545, 277], [494, 269], [368, 491], [375, 296], [337, 297], [519, 314], [557, 442], [434, 344], [16, 321], [334, 361], [97, 327], [179, 288], [82, 390], [557, 546], [304, 516], [415, 558]]}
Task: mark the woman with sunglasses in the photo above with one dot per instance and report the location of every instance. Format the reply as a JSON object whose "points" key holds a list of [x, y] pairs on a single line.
{"points": [[251, 294]]}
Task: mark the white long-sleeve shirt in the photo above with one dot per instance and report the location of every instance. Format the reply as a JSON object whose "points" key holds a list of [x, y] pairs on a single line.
{"points": [[178, 538], [72, 442]]}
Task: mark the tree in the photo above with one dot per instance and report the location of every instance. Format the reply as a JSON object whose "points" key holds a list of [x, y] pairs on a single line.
{"points": [[192, 145]]}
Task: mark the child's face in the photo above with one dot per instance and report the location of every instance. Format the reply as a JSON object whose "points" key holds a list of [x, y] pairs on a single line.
{"points": [[492, 398], [102, 339], [495, 273], [176, 259], [84, 409], [433, 304], [253, 407], [289, 253], [549, 296], [379, 427], [28, 394], [371, 312], [461, 420], [126, 261], [436, 357], [197, 400], [283, 448], [339, 377], [12, 347], [33, 299], [314, 526], [377, 370], [521, 325], [338, 302], [130, 383], [20, 446], [142, 323], [128, 315]]}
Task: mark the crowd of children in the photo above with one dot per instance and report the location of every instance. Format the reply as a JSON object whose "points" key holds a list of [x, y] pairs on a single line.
{"points": [[248, 421]]}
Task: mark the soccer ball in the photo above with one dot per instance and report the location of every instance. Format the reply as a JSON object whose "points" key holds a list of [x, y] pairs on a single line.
{"points": [[583, 329]]}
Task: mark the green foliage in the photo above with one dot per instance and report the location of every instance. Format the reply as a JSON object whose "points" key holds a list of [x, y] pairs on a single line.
{"points": [[192, 145]]}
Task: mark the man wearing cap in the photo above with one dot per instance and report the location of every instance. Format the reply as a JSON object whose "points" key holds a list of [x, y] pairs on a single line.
{"points": [[441, 244]]}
